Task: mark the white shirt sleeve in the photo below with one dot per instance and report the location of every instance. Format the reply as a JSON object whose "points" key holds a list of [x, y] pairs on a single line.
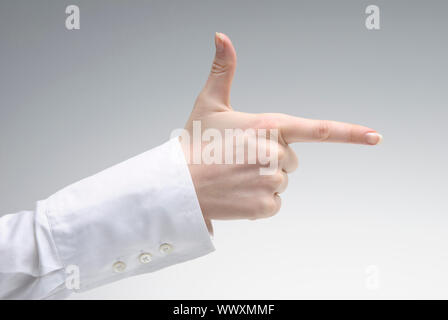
{"points": [[136, 217]]}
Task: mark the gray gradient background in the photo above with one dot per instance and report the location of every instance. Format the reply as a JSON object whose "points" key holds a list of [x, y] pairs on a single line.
{"points": [[76, 102]]}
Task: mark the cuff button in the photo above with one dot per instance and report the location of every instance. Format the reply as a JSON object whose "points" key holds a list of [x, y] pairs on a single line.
{"points": [[145, 258], [166, 248], [119, 266]]}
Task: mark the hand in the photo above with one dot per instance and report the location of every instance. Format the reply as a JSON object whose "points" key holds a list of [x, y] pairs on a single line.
{"points": [[239, 191]]}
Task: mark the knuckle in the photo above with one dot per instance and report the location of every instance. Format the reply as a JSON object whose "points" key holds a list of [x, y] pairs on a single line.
{"points": [[281, 154], [291, 162], [294, 163], [278, 179], [272, 181], [322, 130], [218, 67], [269, 207]]}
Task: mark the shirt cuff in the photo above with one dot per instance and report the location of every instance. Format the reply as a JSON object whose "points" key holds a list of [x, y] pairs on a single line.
{"points": [[136, 217]]}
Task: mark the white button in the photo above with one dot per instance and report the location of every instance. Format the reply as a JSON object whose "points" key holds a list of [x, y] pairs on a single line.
{"points": [[145, 257], [165, 248], [119, 266]]}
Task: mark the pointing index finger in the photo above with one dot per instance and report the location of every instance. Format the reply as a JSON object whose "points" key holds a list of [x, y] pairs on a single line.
{"points": [[296, 129]]}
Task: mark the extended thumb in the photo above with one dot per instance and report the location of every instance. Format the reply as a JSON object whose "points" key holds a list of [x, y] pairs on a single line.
{"points": [[223, 68]]}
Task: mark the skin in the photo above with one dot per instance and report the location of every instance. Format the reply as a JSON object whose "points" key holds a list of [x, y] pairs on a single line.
{"points": [[238, 191]]}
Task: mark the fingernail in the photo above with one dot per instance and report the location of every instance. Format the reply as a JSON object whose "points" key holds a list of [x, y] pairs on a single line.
{"points": [[219, 42], [373, 138]]}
